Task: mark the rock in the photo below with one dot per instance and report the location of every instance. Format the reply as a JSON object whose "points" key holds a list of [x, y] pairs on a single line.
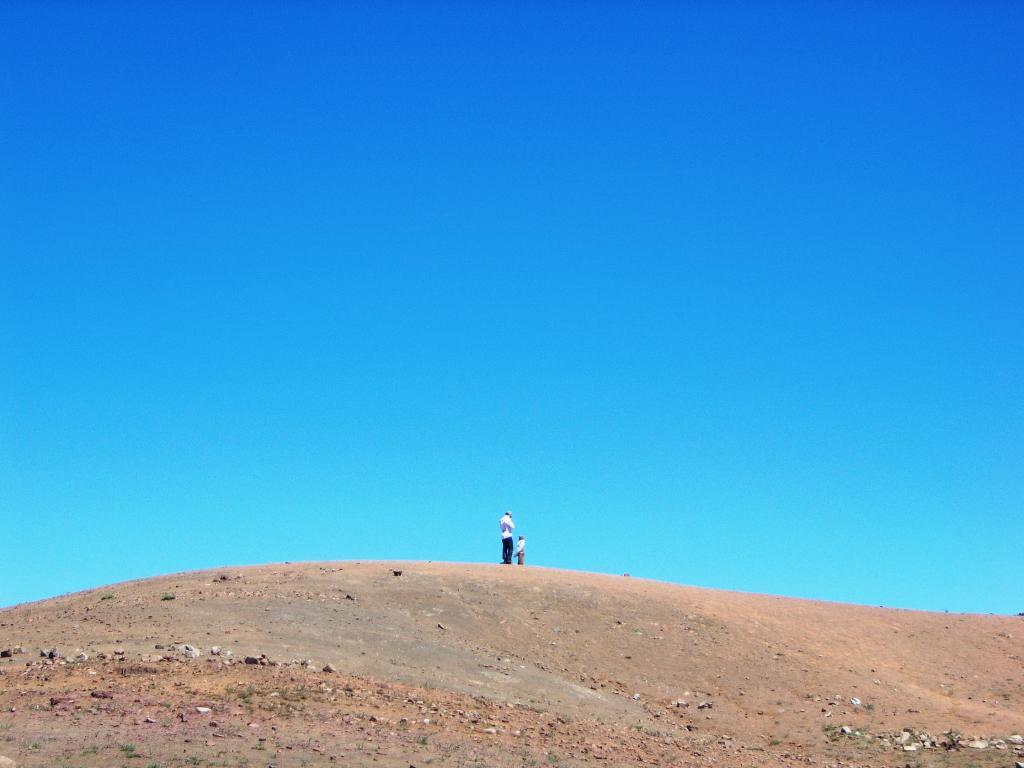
{"points": [[636, 697], [680, 703], [215, 650], [102, 695], [855, 701], [56, 701], [251, 660], [1015, 739], [49, 653], [6, 653], [978, 744], [203, 710], [705, 705], [846, 730], [910, 747], [397, 573], [441, 626], [1017, 764], [6, 762], [330, 668], [490, 730], [81, 656]]}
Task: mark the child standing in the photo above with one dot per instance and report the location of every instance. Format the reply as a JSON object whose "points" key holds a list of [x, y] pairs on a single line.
{"points": [[521, 550]]}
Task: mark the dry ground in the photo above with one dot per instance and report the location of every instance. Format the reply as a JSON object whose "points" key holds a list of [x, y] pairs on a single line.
{"points": [[475, 665]]}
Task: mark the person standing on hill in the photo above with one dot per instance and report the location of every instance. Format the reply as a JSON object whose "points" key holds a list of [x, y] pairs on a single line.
{"points": [[506, 525], [521, 551]]}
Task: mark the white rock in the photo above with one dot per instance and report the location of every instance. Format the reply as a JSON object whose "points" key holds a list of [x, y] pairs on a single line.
{"points": [[203, 710], [978, 744], [1016, 739]]}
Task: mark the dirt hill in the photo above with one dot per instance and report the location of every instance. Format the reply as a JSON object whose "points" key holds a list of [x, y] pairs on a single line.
{"points": [[475, 665]]}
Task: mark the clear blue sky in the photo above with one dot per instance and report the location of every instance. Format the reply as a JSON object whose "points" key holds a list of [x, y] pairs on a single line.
{"points": [[726, 294]]}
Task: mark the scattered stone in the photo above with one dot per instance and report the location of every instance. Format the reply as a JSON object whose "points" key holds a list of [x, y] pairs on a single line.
{"points": [[102, 695], [1016, 739], [705, 705], [490, 730], [49, 653], [149, 720], [397, 573], [56, 701], [855, 701], [203, 710], [441, 626], [330, 668], [349, 597], [681, 703], [6, 653], [846, 730], [215, 650], [636, 697], [81, 656], [910, 747], [978, 744], [251, 660]]}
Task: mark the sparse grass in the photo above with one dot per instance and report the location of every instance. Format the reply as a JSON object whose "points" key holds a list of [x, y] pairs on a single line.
{"points": [[167, 596], [90, 751], [423, 740], [107, 596], [128, 749]]}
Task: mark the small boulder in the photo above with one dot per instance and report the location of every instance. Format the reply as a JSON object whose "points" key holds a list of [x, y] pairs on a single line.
{"points": [[330, 668], [251, 660], [215, 650], [203, 710]]}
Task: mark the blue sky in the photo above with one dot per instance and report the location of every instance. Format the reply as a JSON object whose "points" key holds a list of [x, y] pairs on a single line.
{"points": [[726, 294]]}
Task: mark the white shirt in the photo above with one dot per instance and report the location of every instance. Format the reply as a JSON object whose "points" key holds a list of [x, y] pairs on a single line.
{"points": [[522, 546], [506, 526]]}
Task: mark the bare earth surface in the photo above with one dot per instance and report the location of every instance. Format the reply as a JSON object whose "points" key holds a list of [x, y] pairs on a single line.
{"points": [[477, 665]]}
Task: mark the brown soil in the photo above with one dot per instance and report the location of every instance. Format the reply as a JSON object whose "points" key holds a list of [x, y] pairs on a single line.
{"points": [[473, 665]]}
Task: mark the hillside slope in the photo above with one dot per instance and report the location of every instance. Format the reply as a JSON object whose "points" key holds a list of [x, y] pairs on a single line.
{"points": [[468, 664]]}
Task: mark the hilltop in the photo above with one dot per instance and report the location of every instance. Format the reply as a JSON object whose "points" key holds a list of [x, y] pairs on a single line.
{"points": [[448, 664]]}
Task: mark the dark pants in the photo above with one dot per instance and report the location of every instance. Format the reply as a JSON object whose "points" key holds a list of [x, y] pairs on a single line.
{"points": [[506, 551]]}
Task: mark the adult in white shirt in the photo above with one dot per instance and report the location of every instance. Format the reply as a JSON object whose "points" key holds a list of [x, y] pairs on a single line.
{"points": [[506, 526]]}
